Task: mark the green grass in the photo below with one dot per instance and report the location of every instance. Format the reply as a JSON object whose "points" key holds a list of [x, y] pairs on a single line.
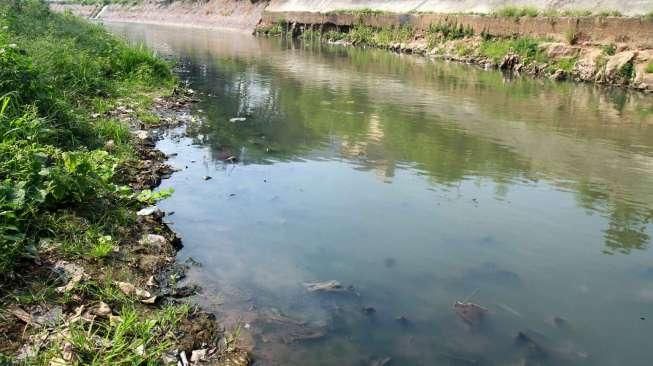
{"points": [[438, 32], [56, 179], [527, 48], [566, 64], [362, 12], [609, 49], [649, 68], [375, 37], [610, 13], [517, 12], [649, 16]]}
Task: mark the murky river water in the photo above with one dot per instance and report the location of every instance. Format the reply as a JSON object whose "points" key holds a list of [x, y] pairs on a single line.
{"points": [[419, 183]]}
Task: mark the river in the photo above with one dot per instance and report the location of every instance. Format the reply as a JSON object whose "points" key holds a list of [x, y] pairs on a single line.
{"points": [[415, 183]]}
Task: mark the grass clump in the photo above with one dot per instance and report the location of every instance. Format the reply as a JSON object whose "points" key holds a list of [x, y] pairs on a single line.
{"points": [[517, 12], [497, 48], [649, 68], [566, 64], [649, 16], [57, 70], [378, 37], [362, 12], [446, 31], [609, 49]]}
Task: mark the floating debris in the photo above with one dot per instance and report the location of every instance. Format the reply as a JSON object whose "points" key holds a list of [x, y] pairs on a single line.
{"points": [[206, 177], [237, 119], [369, 310]]}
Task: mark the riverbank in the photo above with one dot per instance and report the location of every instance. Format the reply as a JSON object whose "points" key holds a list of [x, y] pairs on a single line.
{"points": [[87, 262], [560, 48]]}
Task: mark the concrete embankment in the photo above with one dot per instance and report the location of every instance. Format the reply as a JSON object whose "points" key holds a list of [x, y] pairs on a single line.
{"points": [[633, 31], [591, 47], [626, 7], [606, 47], [241, 15]]}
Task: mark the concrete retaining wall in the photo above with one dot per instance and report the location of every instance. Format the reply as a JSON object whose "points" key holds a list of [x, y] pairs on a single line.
{"points": [[212, 14], [636, 31], [628, 7]]}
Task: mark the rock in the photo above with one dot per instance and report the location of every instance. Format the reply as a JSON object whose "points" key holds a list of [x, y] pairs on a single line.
{"points": [[153, 211], [509, 61], [559, 75], [471, 313], [206, 177], [67, 351], [402, 319], [21, 314], [369, 310], [50, 317], [131, 290], [326, 286], [198, 355], [151, 282], [69, 272], [557, 50], [616, 64], [192, 262], [154, 241], [102, 310], [143, 135]]}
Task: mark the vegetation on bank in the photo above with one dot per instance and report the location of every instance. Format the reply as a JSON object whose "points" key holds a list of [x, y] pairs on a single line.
{"points": [[509, 11], [454, 40], [64, 165]]}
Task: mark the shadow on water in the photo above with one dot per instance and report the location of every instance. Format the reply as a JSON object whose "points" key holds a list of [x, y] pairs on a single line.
{"points": [[418, 182]]}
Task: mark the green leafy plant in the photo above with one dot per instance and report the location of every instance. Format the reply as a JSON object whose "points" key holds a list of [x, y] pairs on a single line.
{"points": [[151, 197]]}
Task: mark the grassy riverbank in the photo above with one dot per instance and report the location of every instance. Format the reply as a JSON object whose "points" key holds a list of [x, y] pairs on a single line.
{"points": [[66, 161]]}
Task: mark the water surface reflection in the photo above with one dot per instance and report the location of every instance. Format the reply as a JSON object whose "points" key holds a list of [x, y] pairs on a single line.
{"points": [[417, 182]]}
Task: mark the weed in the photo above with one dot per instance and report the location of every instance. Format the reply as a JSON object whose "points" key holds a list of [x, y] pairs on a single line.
{"points": [[517, 11], [576, 13], [151, 197], [649, 68], [649, 16], [609, 49], [102, 248], [275, 30], [527, 48], [566, 64], [362, 12], [627, 71], [610, 13], [445, 31], [571, 36]]}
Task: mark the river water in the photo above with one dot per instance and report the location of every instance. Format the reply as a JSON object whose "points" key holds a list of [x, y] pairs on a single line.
{"points": [[418, 183]]}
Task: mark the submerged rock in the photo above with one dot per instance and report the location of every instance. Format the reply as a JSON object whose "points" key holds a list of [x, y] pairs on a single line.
{"points": [[471, 313]]}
